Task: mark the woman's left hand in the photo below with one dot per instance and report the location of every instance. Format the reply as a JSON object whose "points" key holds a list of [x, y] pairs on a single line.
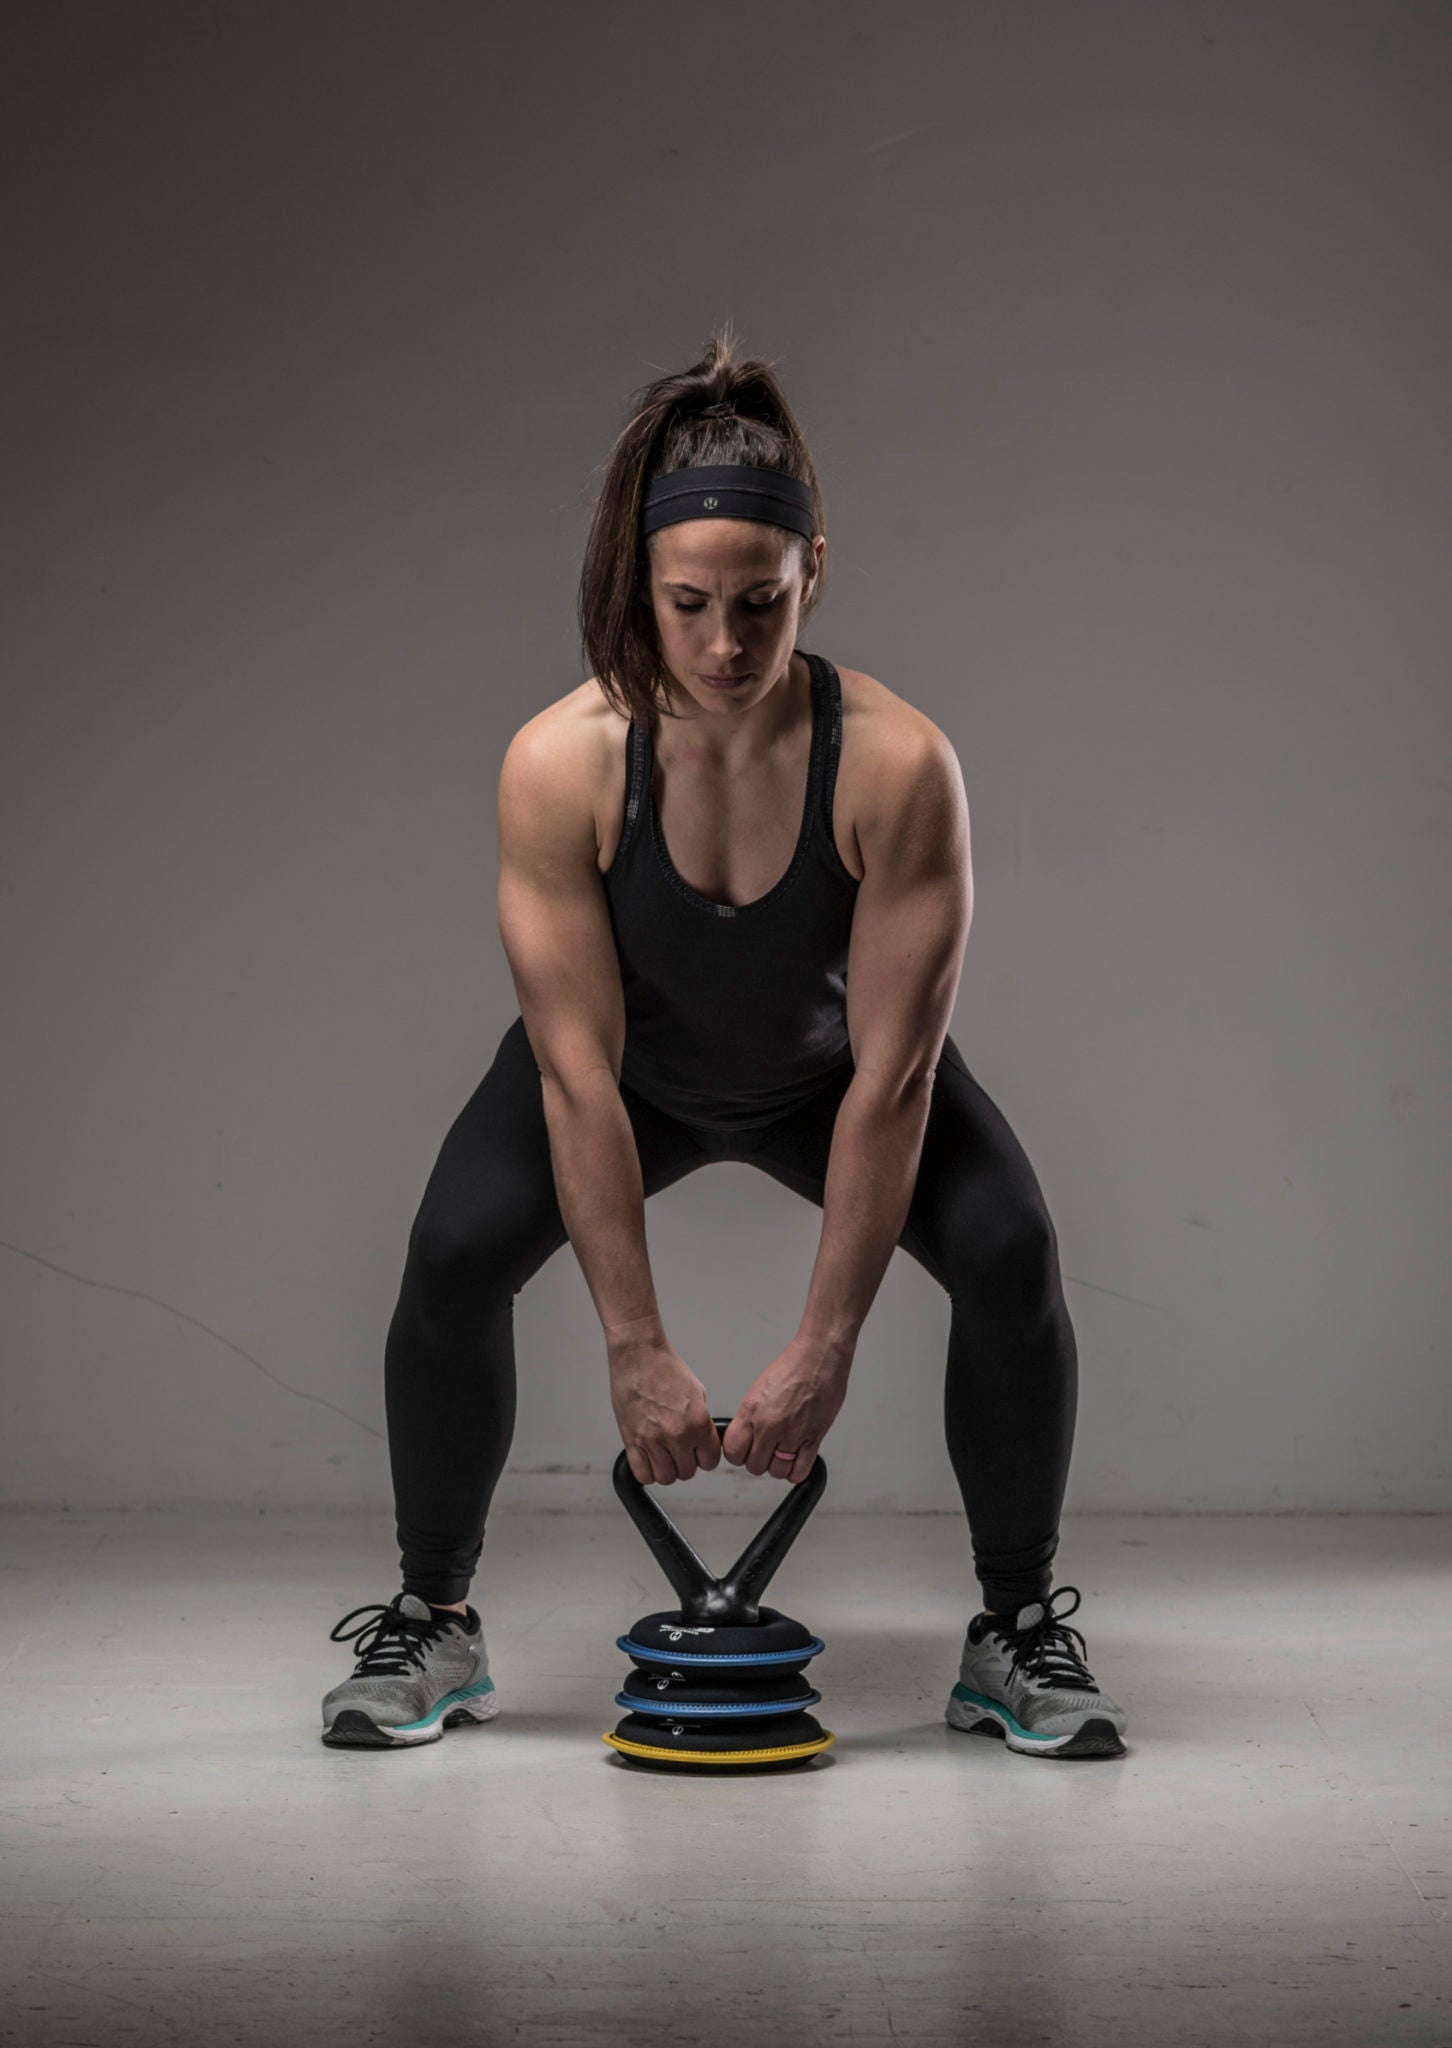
{"points": [[791, 1406]]}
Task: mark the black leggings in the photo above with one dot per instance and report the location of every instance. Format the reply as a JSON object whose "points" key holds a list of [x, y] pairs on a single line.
{"points": [[489, 1219]]}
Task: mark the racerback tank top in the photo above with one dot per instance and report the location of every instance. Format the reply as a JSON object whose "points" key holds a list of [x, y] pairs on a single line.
{"points": [[734, 1013]]}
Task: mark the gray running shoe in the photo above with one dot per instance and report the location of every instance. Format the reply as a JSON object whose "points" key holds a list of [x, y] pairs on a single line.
{"points": [[417, 1674], [1022, 1678]]}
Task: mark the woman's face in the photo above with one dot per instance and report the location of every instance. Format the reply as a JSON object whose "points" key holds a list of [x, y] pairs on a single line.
{"points": [[727, 596]]}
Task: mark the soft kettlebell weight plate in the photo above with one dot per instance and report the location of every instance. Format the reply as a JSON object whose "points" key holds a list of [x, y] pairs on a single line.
{"points": [[776, 1642], [686, 1743]]}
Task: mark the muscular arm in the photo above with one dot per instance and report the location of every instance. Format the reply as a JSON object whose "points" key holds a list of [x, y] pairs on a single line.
{"points": [[555, 928], [555, 925], [909, 931]]}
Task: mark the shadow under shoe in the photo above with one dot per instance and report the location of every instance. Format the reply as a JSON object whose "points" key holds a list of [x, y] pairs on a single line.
{"points": [[417, 1674], [1022, 1679]]}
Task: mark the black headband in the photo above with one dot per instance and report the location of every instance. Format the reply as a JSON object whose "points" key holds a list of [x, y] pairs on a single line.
{"points": [[727, 490]]}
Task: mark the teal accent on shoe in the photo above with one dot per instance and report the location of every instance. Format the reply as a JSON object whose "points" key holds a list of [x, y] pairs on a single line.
{"points": [[450, 1699], [976, 1699]]}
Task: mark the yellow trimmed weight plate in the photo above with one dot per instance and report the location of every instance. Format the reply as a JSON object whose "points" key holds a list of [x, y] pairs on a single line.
{"points": [[719, 1756]]}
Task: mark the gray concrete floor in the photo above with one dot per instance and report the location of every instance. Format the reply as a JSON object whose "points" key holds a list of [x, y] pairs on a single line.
{"points": [[185, 1862]]}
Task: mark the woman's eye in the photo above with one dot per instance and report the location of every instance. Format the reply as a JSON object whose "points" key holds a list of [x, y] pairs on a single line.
{"points": [[763, 605]]}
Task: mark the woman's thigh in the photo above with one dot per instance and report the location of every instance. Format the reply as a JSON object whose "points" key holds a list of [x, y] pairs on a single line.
{"points": [[976, 1201], [489, 1207]]}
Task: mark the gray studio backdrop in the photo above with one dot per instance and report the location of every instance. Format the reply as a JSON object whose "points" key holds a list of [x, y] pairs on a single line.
{"points": [[1121, 337]]}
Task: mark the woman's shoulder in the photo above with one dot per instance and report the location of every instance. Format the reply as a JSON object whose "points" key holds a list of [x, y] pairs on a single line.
{"points": [[879, 725], [576, 745], [576, 731]]}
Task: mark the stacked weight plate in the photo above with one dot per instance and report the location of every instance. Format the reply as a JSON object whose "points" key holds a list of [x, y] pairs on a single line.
{"points": [[702, 1696], [720, 1681]]}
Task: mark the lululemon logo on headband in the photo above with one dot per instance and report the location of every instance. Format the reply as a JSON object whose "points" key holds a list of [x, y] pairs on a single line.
{"points": [[710, 503]]}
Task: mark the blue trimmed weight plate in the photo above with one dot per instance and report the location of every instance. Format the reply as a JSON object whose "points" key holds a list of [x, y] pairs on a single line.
{"points": [[653, 1692], [775, 1642]]}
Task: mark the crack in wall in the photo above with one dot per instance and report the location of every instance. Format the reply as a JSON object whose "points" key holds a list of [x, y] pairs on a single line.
{"points": [[136, 1294], [1073, 1280]]}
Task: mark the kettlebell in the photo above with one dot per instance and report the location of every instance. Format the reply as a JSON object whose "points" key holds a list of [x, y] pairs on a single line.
{"points": [[718, 1681]]}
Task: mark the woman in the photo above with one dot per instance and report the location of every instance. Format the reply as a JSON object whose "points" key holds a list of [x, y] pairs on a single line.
{"points": [[735, 889]]}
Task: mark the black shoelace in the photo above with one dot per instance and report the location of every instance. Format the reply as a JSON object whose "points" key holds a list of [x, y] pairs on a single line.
{"points": [[1047, 1649], [397, 1644]]}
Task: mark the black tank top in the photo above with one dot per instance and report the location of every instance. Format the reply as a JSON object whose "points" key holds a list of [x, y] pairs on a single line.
{"points": [[734, 1013]]}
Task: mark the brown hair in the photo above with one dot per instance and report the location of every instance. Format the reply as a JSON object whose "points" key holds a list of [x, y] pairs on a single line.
{"points": [[665, 432]]}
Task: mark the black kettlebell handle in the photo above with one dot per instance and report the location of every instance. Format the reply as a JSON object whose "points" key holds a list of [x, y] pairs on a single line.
{"points": [[732, 1601]]}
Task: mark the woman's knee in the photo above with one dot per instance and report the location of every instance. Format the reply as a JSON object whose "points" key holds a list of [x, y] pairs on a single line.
{"points": [[485, 1252], [1013, 1259]]}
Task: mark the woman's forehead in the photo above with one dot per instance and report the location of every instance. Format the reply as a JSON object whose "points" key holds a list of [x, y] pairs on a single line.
{"points": [[737, 548]]}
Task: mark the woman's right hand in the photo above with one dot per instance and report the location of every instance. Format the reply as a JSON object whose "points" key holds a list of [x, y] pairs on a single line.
{"points": [[664, 1416]]}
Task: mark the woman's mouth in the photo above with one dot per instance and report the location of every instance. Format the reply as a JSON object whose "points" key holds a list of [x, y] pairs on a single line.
{"points": [[726, 682]]}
